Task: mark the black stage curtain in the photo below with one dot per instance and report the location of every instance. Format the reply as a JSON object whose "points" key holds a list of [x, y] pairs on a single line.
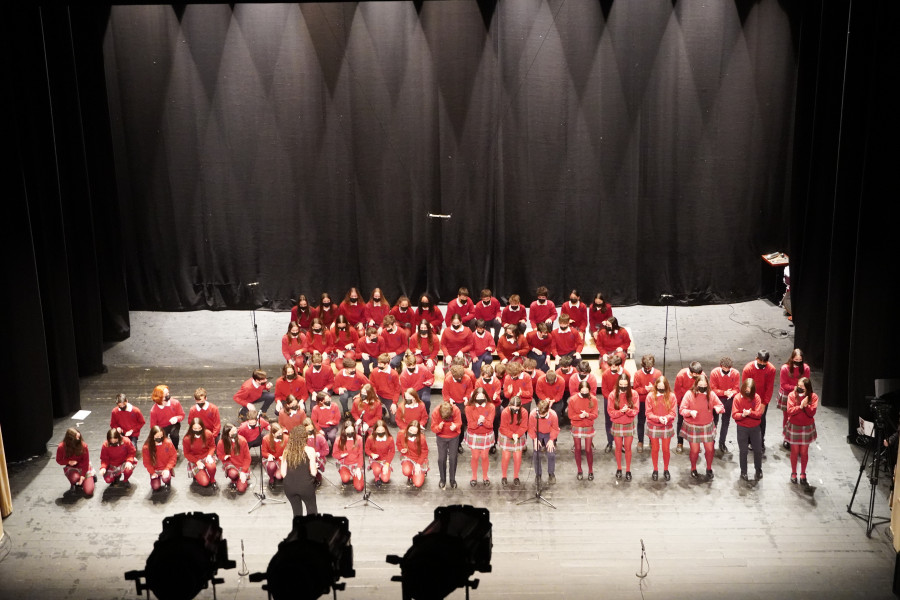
{"points": [[637, 148], [66, 272], [845, 214]]}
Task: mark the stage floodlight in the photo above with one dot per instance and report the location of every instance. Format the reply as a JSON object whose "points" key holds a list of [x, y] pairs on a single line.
{"points": [[185, 559], [459, 540], [310, 560]]}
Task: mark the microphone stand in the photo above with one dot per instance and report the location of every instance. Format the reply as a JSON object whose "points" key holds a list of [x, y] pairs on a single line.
{"points": [[261, 498], [255, 328], [538, 498], [364, 501], [666, 297], [643, 573]]}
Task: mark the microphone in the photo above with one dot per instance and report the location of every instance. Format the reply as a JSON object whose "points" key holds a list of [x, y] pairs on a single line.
{"points": [[254, 284], [642, 546], [661, 296]]}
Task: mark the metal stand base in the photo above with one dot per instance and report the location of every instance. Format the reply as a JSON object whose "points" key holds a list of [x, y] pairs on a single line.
{"points": [[364, 501]]}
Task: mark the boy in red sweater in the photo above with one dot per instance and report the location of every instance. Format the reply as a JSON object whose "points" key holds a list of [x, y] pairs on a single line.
{"points": [[488, 310], [542, 310], [386, 383], [462, 306], [127, 419]]}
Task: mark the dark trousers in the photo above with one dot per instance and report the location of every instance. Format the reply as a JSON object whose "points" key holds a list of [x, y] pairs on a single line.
{"points": [[542, 439], [608, 423], [641, 421], [726, 419], [560, 409], [540, 359], [762, 425], [447, 449], [173, 431], [267, 399], [465, 421], [678, 429], [486, 357], [495, 328], [425, 397], [367, 364], [750, 436]]}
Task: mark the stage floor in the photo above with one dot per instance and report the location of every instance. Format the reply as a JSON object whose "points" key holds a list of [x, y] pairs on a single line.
{"points": [[724, 538]]}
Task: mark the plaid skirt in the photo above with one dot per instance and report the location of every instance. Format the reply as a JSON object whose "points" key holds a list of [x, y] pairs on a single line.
{"points": [[480, 442], [116, 471], [624, 429], [413, 464], [661, 432], [802, 435], [782, 401], [507, 443], [699, 434], [582, 432], [70, 469]]}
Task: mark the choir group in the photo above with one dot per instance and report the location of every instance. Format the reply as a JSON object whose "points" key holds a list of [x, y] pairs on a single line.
{"points": [[355, 370]]}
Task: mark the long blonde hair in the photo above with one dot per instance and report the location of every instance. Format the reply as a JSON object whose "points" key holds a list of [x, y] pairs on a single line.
{"points": [[295, 451]]}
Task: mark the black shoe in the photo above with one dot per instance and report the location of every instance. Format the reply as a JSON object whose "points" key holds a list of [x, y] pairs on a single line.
{"points": [[503, 482], [786, 445], [473, 483], [627, 475], [758, 475], [487, 483], [516, 481], [493, 449], [608, 448], [666, 476], [744, 477], [551, 478], [793, 478], [723, 448], [694, 473], [442, 484], [579, 477], [459, 449], [803, 481], [590, 476], [452, 484], [709, 475], [655, 476], [679, 449], [618, 473]]}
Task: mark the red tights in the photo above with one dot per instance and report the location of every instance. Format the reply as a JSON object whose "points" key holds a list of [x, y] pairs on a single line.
{"points": [[235, 476], [355, 476], [800, 451], [273, 471], [655, 444], [381, 471], [480, 456], [628, 443], [207, 475], [504, 462], [589, 451], [709, 449], [125, 474], [87, 485], [158, 482], [410, 471]]}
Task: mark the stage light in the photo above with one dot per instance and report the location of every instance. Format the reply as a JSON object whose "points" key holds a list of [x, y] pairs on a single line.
{"points": [[310, 560], [185, 559], [449, 551]]}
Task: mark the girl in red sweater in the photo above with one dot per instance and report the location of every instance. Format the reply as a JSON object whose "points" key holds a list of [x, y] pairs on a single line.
{"points": [[72, 454], [347, 452], [327, 311], [661, 406], [456, 341], [697, 408], [116, 457], [367, 409], [431, 313], [345, 339], [380, 450], [272, 449], [377, 308], [199, 447], [315, 439], [425, 345], [583, 411], [513, 427], [417, 377], [612, 339], [354, 309], [480, 433], [159, 457], [292, 344], [746, 410], [320, 339], [800, 432], [623, 405], [409, 409], [413, 449], [234, 453], [512, 345], [600, 311], [302, 313], [790, 375]]}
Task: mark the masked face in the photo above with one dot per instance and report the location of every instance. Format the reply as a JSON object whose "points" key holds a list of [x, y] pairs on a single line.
{"points": [[349, 432], [412, 432], [278, 437], [623, 389], [326, 403], [159, 440], [801, 391], [115, 442], [122, 406], [661, 389], [197, 432], [702, 388], [380, 432]]}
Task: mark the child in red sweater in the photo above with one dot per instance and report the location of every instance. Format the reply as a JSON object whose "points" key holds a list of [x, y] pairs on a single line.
{"points": [[622, 406], [413, 449], [380, 450], [583, 411], [480, 433]]}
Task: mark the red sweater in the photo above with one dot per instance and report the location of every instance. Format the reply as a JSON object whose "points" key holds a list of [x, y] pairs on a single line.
{"points": [[276, 450], [289, 421], [623, 414], [130, 419], [352, 383], [395, 342], [790, 377], [575, 381], [386, 383], [643, 382], [764, 379], [250, 434], [458, 391], [554, 391], [546, 425], [344, 338], [725, 385], [465, 311], [521, 386], [454, 342], [209, 414], [369, 413], [328, 316], [323, 343], [684, 381], [239, 459], [492, 387], [249, 393], [355, 313], [441, 427], [292, 347], [371, 347], [567, 341], [577, 313], [756, 410], [407, 414], [416, 451], [304, 319], [432, 315], [489, 312], [351, 455], [115, 456], [285, 388], [481, 344], [577, 404], [383, 448], [84, 460], [510, 423], [543, 345], [319, 381], [419, 378], [405, 318], [541, 313], [609, 343], [597, 316], [567, 377], [323, 418], [704, 409], [197, 449], [802, 416], [375, 313], [166, 457], [474, 412], [513, 315], [509, 349], [161, 414], [656, 408], [420, 345]]}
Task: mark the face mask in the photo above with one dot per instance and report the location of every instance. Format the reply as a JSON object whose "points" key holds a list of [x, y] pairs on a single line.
{"points": [[486, 301], [702, 389], [353, 300], [317, 331], [168, 397], [573, 300], [123, 407], [801, 392], [277, 438], [661, 390], [380, 433], [412, 433], [158, 440], [480, 400], [309, 432], [425, 306], [198, 433], [349, 432], [798, 363], [423, 332], [585, 394], [326, 304], [622, 389], [327, 403]]}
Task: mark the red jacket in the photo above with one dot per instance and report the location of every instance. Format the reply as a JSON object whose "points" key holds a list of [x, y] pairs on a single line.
{"points": [[458, 391], [724, 385], [623, 414], [116, 456], [349, 456], [239, 459], [274, 450], [802, 416], [285, 388], [432, 315], [289, 421], [454, 342], [607, 344], [161, 414], [420, 378], [465, 311], [704, 409], [508, 350], [764, 379], [249, 393], [643, 382], [292, 347], [510, 424], [577, 313], [197, 449], [474, 412], [417, 451], [386, 383], [420, 345], [130, 419], [541, 313], [323, 418], [375, 313], [351, 383], [406, 415], [371, 347], [344, 338], [355, 313], [554, 391], [481, 344], [319, 381], [567, 341], [790, 377], [513, 316], [166, 457], [547, 425], [577, 403], [441, 426], [521, 386], [384, 449], [489, 312], [209, 414], [756, 410]]}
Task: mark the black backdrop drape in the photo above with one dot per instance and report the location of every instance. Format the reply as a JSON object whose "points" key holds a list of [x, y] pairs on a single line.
{"points": [[633, 147]]}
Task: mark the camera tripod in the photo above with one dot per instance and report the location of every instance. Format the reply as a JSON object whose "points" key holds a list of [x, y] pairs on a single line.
{"points": [[875, 451]]}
